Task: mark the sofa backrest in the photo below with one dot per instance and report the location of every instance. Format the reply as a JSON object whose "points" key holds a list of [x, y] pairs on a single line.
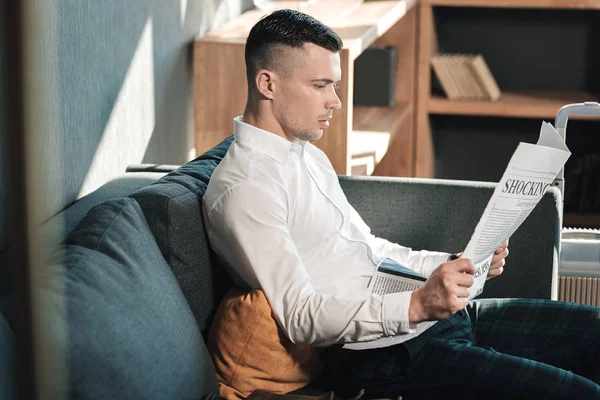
{"points": [[125, 328], [173, 208], [442, 214]]}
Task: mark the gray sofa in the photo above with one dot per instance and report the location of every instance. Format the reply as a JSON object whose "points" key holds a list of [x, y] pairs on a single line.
{"points": [[130, 293]]}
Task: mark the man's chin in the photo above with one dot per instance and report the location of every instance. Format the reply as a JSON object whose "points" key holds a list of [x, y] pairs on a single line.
{"points": [[316, 136]]}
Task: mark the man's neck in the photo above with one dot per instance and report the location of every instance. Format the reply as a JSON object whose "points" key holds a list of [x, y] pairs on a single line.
{"points": [[263, 120]]}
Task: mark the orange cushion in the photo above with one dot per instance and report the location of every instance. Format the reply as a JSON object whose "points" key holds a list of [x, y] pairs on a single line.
{"points": [[250, 351]]}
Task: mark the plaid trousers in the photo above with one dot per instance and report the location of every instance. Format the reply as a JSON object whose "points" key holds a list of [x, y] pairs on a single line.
{"points": [[497, 348]]}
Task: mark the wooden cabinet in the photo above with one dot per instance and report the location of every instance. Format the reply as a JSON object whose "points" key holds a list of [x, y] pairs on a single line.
{"points": [[543, 53], [359, 138]]}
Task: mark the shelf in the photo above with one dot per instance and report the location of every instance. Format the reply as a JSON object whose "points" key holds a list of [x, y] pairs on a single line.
{"points": [[372, 133], [557, 4], [358, 29], [581, 220], [520, 105]]}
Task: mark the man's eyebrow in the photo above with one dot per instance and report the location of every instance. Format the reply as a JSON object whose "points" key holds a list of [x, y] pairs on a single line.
{"points": [[324, 80]]}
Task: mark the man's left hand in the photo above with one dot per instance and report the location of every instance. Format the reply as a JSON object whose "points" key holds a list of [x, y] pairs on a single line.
{"points": [[498, 261]]}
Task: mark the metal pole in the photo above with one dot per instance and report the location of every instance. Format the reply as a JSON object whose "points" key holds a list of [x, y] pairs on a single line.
{"points": [[587, 109]]}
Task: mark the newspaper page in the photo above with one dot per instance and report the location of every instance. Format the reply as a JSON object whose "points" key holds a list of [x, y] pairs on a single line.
{"points": [[392, 277], [529, 173]]}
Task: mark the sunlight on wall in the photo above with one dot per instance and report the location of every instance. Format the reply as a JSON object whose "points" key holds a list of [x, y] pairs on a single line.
{"points": [[182, 11], [131, 123], [192, 154], [217, 13]]}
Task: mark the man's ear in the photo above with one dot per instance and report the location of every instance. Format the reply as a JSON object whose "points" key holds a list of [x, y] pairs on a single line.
{"points": [[265, 83]]}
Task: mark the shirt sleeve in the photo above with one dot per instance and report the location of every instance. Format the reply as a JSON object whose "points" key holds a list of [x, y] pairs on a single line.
{"points": [[247, 226]]}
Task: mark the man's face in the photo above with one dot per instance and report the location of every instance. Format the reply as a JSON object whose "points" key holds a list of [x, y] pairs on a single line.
{"points": [[306, 95]]}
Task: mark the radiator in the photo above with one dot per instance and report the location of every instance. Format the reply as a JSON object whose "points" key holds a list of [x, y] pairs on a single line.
{"points": [[579, 268], [579, 290]]}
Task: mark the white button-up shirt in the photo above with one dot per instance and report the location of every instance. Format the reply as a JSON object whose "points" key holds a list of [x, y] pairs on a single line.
{"points": [[277, 216]]}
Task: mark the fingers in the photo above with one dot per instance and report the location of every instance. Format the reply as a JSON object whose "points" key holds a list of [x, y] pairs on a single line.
{"points": [[462, 292], [495, 272], [502, 247], [498, 257], [497, 266], [492, 273], [465, 280], [463, 265]]}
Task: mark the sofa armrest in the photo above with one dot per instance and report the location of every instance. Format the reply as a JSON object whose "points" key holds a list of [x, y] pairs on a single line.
{"points": [[435, 214]]}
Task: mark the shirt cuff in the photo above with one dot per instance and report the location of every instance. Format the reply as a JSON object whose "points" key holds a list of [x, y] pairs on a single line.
{"points": [[434, 261], [395, 314]]}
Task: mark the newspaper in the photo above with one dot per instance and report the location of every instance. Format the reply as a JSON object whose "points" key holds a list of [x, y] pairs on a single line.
{"points": [[529, 173]]}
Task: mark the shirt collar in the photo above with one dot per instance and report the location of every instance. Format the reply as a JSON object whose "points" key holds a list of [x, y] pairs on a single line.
{"points": [[268, 143]]}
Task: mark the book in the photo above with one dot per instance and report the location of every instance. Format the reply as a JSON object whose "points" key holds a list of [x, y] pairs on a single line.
{"points": [[484, 76], [465, 77]]}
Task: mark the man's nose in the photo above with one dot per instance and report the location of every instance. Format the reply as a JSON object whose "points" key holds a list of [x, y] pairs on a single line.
{"points": [[335, 102]]}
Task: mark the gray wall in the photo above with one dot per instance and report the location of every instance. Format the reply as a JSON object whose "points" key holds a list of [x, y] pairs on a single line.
{"points": [[115, 84], [125, 88]]}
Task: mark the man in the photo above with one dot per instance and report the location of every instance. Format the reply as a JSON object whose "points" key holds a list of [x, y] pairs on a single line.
{"points": [[278, 217]]}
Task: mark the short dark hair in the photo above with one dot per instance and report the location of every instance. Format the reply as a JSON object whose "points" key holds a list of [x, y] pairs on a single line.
{"points": [[284, 28]]}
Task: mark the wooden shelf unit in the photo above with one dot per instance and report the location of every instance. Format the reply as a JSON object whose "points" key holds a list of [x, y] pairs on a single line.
{"points": [[444, 17], [581, 220], [513, 104], [546, 4], [220, 87], [527, 104]]}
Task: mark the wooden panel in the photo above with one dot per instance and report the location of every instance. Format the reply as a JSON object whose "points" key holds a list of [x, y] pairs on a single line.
{"points": [[424, 154], [219, 93], [403, 36], [398, 160], [380, 119], [335, 139], [525, 104], [379, 133], [564, 4]]}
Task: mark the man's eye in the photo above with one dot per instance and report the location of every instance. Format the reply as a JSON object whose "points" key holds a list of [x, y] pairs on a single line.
{"points": [[320, 86]]}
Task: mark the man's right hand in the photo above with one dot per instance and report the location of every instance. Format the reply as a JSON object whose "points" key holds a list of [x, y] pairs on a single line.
{"points": [[445, 292]]}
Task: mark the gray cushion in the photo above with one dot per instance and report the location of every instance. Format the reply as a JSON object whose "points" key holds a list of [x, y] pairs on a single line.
{"points": [[195, 174], [64, 222], [6, 361], [172, 206], [175, 218], [130, 333]]}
